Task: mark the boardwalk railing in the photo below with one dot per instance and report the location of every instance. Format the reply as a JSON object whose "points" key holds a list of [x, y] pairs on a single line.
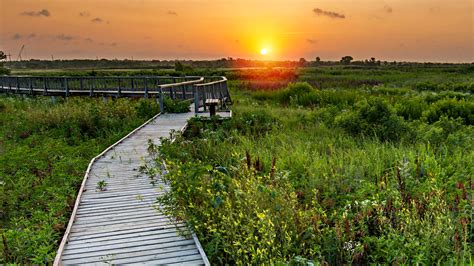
{"points": [[186, 88], [216, 88]]}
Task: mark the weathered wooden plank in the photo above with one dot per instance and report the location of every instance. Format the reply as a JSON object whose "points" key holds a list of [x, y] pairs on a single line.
{"points": [[129, 249], [137, 254], [123, 238], [155, 257], [123, 231]]}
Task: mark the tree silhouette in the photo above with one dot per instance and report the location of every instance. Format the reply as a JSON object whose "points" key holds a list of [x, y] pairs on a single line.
{"points": [[3, 56], [346, 60], [302, 62]]}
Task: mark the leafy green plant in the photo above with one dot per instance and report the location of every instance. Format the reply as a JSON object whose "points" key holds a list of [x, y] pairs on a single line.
{"points": [[102, 185], [176, 106]]}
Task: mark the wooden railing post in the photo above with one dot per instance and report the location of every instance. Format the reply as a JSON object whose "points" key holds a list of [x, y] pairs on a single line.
{"points": [[31, 85], [91, 87], [119, 87], [196, 98], [162, 103], [204, 96], [66, 87], [146, 88], [45, 87]]}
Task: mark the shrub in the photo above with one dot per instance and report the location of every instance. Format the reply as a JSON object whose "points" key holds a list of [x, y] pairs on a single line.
{"points": [[451, 108], [176, 106], [374, 117], [411, 108], [147, 108], [4, 71]]}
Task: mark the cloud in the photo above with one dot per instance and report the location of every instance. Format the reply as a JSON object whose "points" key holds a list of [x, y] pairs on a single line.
{"points": [[97, 20], [435, 9], [330, 14], [114, 44], [89, 40], [388, 9], [311, 41], [172, 13], [41, 13], [64, 37], [84, 14], [18, 36]]}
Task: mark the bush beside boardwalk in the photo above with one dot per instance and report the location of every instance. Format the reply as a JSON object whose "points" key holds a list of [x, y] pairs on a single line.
{"points": [[366, 174]]}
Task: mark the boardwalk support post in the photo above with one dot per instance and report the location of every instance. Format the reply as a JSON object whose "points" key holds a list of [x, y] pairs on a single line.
{"points": [[162, 104], [66, 87], [146, 88], [31, 85], [45, 92], [91, 88], [196, 99]]}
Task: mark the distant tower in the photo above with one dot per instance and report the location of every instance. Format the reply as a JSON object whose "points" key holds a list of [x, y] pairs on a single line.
{"points": [[19, 54]]}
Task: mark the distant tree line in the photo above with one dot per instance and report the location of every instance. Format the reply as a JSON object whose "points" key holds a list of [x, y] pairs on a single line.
{"points": [[185, 65]]}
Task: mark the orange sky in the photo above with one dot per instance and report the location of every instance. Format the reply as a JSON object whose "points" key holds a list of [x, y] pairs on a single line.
{"points": [[411, 30]]}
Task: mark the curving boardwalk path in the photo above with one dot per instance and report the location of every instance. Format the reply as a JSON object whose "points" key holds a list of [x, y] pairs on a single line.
{"points": [[120, 224]]}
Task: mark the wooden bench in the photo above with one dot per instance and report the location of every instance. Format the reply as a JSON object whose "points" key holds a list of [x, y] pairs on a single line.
{"points": [[212, 103]]}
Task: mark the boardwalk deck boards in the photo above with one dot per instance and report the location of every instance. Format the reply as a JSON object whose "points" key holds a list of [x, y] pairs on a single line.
{"points": [[122, 225]]}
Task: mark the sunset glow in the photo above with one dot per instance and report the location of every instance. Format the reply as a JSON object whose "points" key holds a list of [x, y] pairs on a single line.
{"points": [[421, 30], [264, 51]]}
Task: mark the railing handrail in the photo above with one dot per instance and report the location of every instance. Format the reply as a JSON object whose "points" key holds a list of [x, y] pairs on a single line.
{"points": [[223, 79], [103, 77], [163, 86], [199, 88]]}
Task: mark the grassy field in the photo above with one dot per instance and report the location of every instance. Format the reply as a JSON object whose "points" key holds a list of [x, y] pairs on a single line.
{"points": [[347, 165], [44, 151], [330, 164]]}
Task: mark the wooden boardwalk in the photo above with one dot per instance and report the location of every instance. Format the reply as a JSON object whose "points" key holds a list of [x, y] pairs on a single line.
{"points": [[121, 225]]}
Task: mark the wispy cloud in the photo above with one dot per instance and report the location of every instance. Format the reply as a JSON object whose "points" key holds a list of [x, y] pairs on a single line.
{"points": [[97, 20], [435, 9], [388, 9], [311, 41], [18, 36], [64, 37], [89, 40], [172, 13], [84, 14], [330, 14], [41, 13]]}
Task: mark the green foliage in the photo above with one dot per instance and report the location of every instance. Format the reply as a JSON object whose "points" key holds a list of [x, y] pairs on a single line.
{"points": [[45, 150], [430, 86], [374, 117], [354, 172], [291, 193], [451, 108], [4, 71], [176, 106], [147, 108]]}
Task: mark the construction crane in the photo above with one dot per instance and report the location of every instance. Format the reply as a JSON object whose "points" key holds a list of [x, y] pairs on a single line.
{"points": [[19, 54]]}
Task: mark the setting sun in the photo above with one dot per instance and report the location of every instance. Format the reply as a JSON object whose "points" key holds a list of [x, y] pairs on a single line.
{"points": [[264, 51]]}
